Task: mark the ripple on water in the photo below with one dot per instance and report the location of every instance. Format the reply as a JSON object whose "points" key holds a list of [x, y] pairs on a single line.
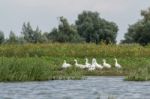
{"points": [[91, 88]]}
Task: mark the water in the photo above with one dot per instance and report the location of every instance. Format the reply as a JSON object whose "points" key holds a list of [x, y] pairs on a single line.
{"points": [[90, 88]]}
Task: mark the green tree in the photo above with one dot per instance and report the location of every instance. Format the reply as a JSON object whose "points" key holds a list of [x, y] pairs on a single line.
{"points": [[39, 37], [21, 40], [32, 36], [12, 37], [2, 37], [65, 32], [28, 32], [95, 29], [140, 31]]}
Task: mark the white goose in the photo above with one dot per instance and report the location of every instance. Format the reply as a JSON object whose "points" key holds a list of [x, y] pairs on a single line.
{"points": [[92, 66], [65, 65], [79, 65], [106, 65], [99, 66], [117, 65], [87, 64]]}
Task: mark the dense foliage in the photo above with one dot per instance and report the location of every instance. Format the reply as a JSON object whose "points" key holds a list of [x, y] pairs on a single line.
{"points": [[140, 31], [32, 36], [64, 33], [95, 29]]}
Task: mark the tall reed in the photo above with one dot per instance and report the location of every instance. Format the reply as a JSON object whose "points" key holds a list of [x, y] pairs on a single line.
{"points": [[43, 61]]}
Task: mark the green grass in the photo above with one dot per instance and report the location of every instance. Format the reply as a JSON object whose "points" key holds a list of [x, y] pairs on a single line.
{"points": [[74, 50], [139, 74], [32, 69], [38, 62]]}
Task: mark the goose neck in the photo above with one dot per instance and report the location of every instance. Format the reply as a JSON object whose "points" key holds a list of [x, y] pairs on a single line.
{"points": [[86, 61], [76, 62], [64, 61], [104, 61], [116, 61]]}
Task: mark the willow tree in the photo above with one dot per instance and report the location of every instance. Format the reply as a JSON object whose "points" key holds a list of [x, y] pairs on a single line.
{"points": [[64, 33], [139, 32], [95, 29]]}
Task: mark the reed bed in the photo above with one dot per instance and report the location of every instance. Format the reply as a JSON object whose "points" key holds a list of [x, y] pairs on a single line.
{"points": [[139, 74], [38, 62], [32, 69], [74, 50]]}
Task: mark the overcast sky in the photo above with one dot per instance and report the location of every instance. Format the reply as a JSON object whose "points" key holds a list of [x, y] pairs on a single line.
{"points": [[44, 13]]}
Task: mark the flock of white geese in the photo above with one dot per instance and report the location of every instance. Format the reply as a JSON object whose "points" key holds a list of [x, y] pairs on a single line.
{"points": [[92, 66]]}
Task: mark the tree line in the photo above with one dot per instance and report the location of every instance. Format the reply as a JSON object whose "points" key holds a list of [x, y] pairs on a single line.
{"points": [[89, 27]]}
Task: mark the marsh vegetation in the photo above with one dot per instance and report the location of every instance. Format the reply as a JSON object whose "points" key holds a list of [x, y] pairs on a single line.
{"points": [[31, 62]]}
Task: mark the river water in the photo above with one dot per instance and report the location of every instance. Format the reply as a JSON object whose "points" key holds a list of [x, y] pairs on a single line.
{"points": [[90, 88]]}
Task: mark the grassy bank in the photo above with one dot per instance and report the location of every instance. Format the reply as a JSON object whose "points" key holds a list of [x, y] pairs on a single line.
{"points": [[43, 61], [74, 50], [140, 74], [33, 69]]}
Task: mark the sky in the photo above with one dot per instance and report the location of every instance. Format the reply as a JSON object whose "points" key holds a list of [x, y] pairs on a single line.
{"points": [[45, 13]]}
